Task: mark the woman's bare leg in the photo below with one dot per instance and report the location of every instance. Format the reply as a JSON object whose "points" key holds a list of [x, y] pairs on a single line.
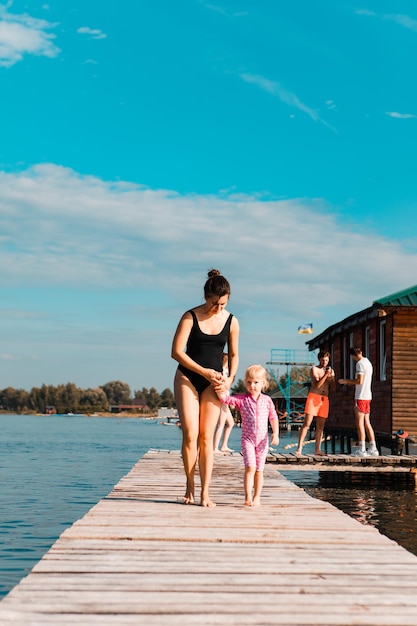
{"points": [[219, 429], [187, 401], [228, 427], [303, 432], [248, 484], [209, 415]]}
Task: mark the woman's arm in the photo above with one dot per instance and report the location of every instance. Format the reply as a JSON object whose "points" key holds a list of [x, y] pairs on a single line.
{"points": [[233, 351], [178, 353]]}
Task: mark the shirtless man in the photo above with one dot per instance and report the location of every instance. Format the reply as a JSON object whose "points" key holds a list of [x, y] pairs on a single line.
{"points": [[317, 403]]}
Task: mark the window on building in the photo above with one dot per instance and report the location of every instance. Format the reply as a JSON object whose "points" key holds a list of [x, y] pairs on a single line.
{"points": [[351, 361], [382, 351], [345, 357], [367, 342]]}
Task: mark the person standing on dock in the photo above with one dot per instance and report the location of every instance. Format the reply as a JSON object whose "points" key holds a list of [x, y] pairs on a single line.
{"points": [[255, 408], [226, 421], [363, 397], [317, 403], [198, 346]]}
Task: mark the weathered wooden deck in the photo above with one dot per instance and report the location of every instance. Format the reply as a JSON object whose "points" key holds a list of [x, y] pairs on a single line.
{"points": [[385, 462], [142, 557]]}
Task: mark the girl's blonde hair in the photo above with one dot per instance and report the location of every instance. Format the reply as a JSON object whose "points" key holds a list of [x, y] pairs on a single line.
{"points": [[257, 371]]}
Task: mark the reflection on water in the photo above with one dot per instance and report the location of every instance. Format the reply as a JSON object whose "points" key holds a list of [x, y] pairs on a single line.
{"points": [[386, 500]]}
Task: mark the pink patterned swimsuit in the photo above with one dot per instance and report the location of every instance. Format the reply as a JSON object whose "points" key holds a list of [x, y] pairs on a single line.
{"points": [[255, 415]]}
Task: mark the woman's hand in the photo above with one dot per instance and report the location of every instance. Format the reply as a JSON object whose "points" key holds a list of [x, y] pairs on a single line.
{"points": [[216, 378]]}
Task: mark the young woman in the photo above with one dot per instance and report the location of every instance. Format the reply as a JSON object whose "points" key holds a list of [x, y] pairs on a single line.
{"points": [[198, 346]]}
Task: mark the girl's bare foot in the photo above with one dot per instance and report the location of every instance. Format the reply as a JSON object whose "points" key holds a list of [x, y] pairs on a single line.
{"points": [[227, 450], [319, 453], [298, 453]]}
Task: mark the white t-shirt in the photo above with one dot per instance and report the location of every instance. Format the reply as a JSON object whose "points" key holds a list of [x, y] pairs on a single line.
{"points": [[363, 391]]}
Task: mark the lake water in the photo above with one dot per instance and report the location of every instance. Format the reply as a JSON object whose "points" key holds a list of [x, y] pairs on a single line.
{"points": [[55, 468]]}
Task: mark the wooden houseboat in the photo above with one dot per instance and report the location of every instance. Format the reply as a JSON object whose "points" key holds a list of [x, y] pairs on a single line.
{"points": [[387, 333]]}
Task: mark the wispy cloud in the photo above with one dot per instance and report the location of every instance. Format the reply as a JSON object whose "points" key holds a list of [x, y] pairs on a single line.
{"points": [[223, 10], [8, 357], [402, 20], [66, 230], [283, 94], [401, 116], [22, 35], [93, 33]]}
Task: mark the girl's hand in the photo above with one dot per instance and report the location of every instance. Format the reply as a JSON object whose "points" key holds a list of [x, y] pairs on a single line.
{"points": [[274, 439]]}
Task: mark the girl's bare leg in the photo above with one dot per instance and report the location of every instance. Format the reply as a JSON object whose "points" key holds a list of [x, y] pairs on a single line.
{"points": [[209, 415], [303, 432], [187, 401], [248, 485], [258, 484], [228, 426]]}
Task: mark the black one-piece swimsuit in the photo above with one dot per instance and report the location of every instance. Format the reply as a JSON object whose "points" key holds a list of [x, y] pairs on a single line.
{"points": [[206, 350]]}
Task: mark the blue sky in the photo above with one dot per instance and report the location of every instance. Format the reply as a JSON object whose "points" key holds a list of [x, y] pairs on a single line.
{"points": [[144, 142]]}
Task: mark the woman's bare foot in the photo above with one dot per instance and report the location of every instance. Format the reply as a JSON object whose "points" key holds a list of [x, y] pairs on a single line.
{"points": [[319, 453], [256, 501], [248, 502], [207, 502], [298, 452]]}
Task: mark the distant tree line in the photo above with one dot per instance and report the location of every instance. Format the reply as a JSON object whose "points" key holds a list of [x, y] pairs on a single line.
{"points": [[72, 399]]}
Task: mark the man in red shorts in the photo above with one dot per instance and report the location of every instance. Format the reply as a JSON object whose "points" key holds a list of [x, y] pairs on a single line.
{"points": [[363, 397]]}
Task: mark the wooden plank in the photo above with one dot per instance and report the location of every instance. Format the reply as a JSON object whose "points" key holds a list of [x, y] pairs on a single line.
{"points": [[142, 557]]}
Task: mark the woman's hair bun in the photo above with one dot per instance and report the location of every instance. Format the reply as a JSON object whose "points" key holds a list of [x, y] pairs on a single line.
{"points": [[213, 272]]}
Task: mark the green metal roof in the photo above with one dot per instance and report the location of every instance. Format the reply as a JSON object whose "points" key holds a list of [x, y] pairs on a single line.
{"points": [[406, 297]]}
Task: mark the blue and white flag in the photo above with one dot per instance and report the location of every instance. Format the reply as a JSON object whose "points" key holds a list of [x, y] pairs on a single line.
{"points": [[305, 329]]}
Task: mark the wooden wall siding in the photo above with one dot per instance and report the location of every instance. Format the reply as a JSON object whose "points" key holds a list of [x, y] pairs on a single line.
{"points": [[342, 400], [404, 372]]}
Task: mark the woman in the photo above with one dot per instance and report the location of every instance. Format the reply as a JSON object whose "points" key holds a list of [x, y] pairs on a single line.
{"points": [[198, 347]]}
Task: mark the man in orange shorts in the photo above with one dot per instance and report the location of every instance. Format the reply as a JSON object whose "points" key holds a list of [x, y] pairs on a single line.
{"points": [[317, 403]]}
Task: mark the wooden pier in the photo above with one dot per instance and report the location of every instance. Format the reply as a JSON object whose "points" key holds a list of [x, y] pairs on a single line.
{"points": [[345, 462], [142, 557]]}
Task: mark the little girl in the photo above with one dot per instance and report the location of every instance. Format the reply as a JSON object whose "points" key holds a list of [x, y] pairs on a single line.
{"points": [[255, 409]]}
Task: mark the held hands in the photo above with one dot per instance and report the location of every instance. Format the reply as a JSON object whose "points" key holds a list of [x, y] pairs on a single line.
{"points": [[216, 378]]}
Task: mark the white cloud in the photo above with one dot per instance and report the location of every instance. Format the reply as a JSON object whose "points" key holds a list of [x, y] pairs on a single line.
{"points": [[94, 33], [63, 229], [398, 18], [21, 35], [283, 94], [401, 116], [95, 274], [223, 11]]}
